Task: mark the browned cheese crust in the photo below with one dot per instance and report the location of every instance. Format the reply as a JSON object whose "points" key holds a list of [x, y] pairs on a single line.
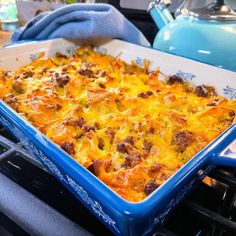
{"points": [[130, 129]]}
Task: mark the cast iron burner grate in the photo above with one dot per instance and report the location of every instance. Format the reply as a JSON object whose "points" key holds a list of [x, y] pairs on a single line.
{"points": [[32, 202]]}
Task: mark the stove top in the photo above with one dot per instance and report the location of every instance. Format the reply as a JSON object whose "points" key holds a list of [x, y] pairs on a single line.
{"points": [[33, 202]]}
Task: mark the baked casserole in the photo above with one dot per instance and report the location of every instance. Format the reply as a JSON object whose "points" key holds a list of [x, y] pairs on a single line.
{"points": [[122, 123]]}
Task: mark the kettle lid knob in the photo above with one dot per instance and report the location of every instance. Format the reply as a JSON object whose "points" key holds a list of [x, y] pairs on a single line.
{"points": [[217, 11]]}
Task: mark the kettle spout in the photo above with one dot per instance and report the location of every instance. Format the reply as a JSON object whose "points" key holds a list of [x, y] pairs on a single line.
{"points": [[160, 13]]}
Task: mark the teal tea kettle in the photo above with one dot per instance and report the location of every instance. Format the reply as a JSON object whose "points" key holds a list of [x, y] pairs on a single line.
{"points": [[206, 34]]}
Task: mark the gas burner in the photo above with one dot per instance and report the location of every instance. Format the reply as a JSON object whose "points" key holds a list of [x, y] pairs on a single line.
{"points": [[33, 202]]}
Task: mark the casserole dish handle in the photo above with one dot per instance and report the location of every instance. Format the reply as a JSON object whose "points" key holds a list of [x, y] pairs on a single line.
{"points": [[224, 152]]}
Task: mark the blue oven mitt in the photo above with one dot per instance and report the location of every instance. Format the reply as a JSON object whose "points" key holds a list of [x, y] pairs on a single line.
{"points": [[81, 21]]}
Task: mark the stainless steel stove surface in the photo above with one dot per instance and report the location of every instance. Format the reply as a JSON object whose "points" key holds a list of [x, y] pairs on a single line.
{"points": [[32, 202]]}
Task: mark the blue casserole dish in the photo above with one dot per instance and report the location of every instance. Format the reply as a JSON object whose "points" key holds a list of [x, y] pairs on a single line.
{"points": [[120, 216]]}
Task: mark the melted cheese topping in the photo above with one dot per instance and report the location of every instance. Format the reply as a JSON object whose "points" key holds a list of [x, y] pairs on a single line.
{"points": [[118, 120]]}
